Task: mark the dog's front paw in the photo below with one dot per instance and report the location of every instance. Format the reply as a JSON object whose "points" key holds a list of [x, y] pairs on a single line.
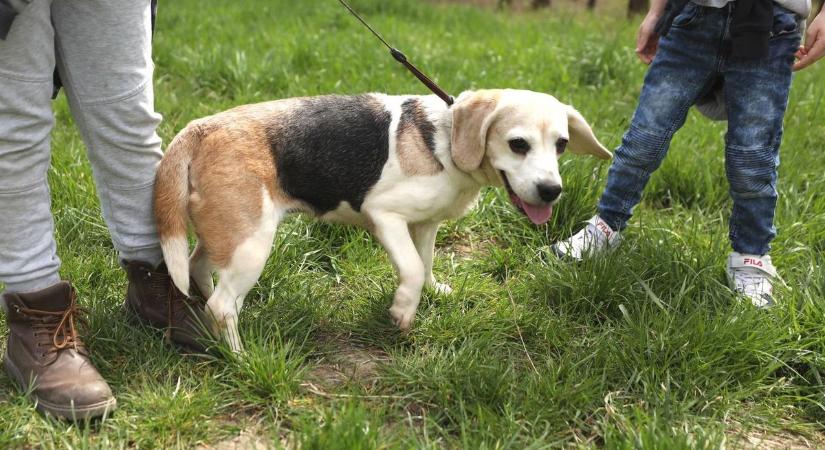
{"points": [[403, 317], [227, 328], [441, 288]]}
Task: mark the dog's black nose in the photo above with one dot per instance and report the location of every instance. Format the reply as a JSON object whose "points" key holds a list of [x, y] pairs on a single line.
{"points": [[549, 192]]}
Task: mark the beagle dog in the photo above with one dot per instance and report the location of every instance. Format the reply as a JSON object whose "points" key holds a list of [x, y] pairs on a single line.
{"points": [[396, 165]]}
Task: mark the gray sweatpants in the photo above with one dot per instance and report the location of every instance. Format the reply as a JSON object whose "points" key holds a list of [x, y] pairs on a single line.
{"points": [[102, 51]]}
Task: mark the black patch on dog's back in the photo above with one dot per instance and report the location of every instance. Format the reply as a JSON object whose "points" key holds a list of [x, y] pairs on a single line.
{"points": [[413, 115], [332, 149]]}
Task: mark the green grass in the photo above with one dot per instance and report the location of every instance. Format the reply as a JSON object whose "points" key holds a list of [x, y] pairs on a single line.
{"points": [[645, 348]]}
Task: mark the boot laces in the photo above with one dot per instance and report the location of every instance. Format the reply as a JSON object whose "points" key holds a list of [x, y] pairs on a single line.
{"points": [[157, 283], [178, 304], [60, 325]]}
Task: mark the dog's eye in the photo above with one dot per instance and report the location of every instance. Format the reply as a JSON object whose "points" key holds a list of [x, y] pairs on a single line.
{"points": [[561, 145], [519, 145]]}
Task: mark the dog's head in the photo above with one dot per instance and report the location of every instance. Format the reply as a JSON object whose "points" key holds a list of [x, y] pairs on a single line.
{"points": [[516, 138]]}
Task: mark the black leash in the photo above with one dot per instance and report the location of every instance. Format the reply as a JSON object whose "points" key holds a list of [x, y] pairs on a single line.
{"points": [[400, 57]]}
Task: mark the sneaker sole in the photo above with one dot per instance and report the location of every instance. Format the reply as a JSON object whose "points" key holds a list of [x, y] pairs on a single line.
{"points": [[73, 413]]}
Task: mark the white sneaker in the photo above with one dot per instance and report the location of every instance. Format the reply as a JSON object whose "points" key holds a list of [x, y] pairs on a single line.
{"points": [[752, 276], [595, 237]]}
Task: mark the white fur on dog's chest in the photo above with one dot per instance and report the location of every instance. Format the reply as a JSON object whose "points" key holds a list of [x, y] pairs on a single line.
{"points": [[416, 199]]}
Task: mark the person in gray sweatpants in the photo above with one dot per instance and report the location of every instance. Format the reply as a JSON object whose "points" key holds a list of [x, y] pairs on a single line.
{"points": [[101, 50]]}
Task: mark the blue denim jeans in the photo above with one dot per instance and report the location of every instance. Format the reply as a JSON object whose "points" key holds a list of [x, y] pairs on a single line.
{"points": [[692, 58]]}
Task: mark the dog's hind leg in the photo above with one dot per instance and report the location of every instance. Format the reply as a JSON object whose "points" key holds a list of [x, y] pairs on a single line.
{"points": [[394, 235], [200, 269], [423, 235], [239, 276]]}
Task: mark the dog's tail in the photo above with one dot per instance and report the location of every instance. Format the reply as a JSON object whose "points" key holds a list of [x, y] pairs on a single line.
{"points": [[172, 203]]}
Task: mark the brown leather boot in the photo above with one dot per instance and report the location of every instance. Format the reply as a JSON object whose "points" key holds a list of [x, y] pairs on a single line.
{"points": [[44, 352], [155, 300]]}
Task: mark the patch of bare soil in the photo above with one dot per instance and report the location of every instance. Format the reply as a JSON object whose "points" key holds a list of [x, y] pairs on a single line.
{"points": [[248, 439], [345, 363], [464, 248], [774, 441]]}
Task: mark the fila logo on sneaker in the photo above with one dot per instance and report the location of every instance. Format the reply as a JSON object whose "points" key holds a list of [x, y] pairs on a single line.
{"points": [[604, 228], [753, 262]]}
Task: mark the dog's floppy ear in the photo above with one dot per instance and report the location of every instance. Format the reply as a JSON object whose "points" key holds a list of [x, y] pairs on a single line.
{"points": [[582, 140], [472, 117]]}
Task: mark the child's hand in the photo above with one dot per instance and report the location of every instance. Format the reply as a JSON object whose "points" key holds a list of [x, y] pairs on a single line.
{"points": [[647, 42], [814, 47]]}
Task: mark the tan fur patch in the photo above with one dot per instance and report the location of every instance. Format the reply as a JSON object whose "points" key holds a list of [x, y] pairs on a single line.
{"points": [[415, 141], [232, 167]]}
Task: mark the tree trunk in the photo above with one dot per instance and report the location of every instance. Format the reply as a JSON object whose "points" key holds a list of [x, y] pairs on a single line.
{"points": [[637, 7], [537, 4], [591, 4]]}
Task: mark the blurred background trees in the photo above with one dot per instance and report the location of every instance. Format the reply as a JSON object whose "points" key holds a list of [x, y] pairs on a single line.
{"points": [[637, 7], [633, 6]]}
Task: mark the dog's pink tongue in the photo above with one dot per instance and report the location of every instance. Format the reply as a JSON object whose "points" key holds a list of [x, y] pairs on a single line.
{"points": [[537, 214]]}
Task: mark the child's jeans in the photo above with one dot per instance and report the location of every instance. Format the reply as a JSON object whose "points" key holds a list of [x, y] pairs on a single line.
{"points": [[693, 55]]}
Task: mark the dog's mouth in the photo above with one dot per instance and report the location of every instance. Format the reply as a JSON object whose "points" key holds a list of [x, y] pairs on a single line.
{"points": [[538, 214]]}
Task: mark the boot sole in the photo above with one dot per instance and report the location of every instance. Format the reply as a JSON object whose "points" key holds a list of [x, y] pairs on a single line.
{"points": [[73, 413]]}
